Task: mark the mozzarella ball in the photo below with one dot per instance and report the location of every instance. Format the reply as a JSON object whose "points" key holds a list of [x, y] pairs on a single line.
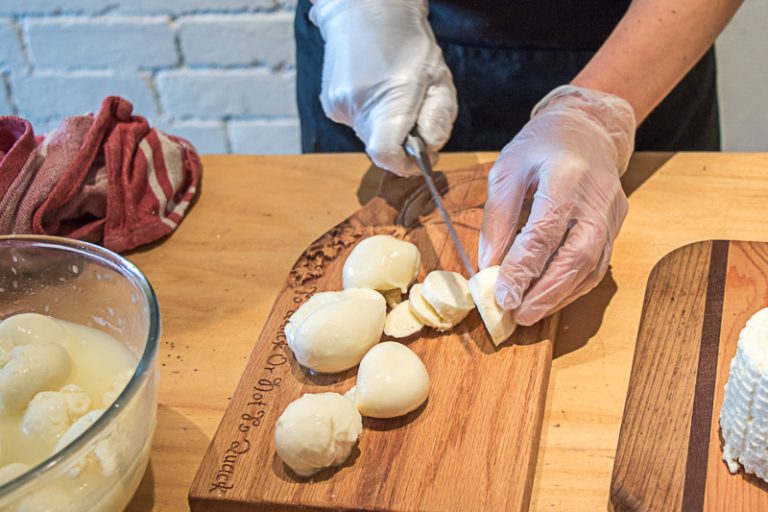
{"points": [[391, 381], [424, 311], [30, 329], [317, 431], [47, 415], [382, 262], [499, 322], [28, 369], [333, 332], [448, 294], [401, 322]]}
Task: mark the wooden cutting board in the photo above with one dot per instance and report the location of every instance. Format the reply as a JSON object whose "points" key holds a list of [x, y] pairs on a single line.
{"points": [[669, 455], [471, 447]]}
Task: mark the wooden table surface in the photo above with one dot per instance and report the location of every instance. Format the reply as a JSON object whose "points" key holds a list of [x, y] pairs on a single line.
{"points": [[217, 277]]}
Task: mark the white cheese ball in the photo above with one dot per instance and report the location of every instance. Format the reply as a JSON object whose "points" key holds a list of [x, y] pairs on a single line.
{"points": [[332, 331], [382, 262], [401, 322], [50, 413], [29, 369], [47, 415], [424, 311], [317, 431], [391, 381], [499, 322], [448, 294], [30, 329]]}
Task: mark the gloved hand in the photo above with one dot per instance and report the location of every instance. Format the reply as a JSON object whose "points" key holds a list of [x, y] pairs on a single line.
{"points": [[383, 73], [569, 157]]}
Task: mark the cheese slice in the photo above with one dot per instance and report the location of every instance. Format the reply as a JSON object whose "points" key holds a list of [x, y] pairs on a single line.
{"points": [[448, 293], [401, 322], [744, 415], [499, 322], [424, 311]]}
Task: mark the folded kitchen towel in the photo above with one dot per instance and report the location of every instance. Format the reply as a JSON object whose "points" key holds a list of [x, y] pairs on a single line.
{"points": [[107, 178]]}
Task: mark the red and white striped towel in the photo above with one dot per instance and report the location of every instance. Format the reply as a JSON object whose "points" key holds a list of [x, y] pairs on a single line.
{"points": [[107, 178]]}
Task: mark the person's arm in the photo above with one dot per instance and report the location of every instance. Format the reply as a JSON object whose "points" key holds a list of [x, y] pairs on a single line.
{"points": [[383, 75], [656, 43], [571, 154]]}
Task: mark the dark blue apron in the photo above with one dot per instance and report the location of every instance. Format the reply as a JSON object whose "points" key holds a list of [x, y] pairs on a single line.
{"points": [[504, 57]]}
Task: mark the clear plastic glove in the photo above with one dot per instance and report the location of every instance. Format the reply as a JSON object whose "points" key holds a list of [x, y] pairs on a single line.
{"points": [[383, 74], [569, 157]]}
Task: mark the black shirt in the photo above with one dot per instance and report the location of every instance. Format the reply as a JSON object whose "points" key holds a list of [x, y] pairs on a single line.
{"points": [[556, 24]]}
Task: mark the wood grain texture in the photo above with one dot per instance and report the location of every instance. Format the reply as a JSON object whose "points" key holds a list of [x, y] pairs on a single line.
{"points": [[669, 455], [746, 292], [654, 434], [217, 277], [472, 446]]}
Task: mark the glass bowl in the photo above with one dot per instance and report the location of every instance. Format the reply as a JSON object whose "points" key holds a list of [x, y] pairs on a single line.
{"points": [[89, 285]]}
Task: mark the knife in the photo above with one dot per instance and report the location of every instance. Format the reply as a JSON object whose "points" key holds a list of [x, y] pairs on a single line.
{"points": [[417, 148]]}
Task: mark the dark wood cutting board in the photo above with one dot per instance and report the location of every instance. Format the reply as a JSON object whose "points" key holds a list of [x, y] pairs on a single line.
{"points": [[471, 447], [669, 455]]}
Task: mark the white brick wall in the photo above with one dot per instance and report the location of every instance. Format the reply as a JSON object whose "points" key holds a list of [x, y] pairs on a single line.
{"points": [[221, 72], [122, 43], [218, 72], [234, 40]]}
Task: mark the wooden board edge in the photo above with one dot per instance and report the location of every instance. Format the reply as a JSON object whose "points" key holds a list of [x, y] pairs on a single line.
{"points": [[618, 499], [200, 499], [553, 323]]}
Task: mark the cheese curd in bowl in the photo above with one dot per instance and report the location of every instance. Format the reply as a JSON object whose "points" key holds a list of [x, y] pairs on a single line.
{"points": [[78, 342]]}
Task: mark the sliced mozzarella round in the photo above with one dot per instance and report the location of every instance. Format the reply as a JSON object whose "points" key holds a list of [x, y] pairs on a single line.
{"points": [[401, 322], [448, 294], [424, 311]]}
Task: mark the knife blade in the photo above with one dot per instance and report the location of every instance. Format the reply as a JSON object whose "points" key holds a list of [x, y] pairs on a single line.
{"points": [[416, 147]]}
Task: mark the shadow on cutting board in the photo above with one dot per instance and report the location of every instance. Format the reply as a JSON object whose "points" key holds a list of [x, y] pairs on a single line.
{"points": [[641, 167], [580, 321]]}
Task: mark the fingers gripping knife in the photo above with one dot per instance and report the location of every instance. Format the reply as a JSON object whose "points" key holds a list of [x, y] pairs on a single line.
{"points": [[415, 146]]}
